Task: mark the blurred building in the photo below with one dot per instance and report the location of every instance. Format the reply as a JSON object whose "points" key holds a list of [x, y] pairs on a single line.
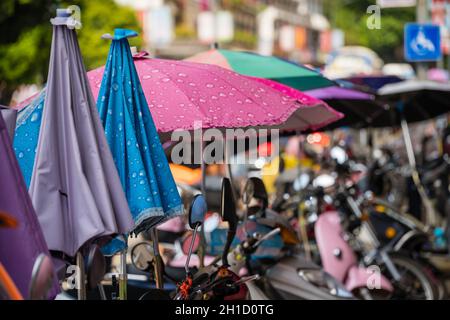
{"points": [[295, 29]]}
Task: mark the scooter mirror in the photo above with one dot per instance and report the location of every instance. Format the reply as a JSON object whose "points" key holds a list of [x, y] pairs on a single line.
{"points": [[338, 154], [248, 192], [259, 191], [228, 212], [7, 221], [41, 277], [228, 205], [197, 211], [142, 256]]}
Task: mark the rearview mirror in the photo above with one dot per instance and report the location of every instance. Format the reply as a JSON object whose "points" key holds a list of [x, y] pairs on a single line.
{"points": [[197, 211], [259, 191], [41, 277], [228, 205], [142, 256], [228, 213]]}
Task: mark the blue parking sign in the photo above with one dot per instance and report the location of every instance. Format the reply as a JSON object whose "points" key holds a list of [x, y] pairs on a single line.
{"points": [[422, 42]]}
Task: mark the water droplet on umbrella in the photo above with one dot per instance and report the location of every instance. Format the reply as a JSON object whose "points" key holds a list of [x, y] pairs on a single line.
{"points": [[34, 117]]}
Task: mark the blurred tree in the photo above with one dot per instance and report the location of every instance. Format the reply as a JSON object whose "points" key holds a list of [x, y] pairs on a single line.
{"points": [[351, 16], [26, 37]]}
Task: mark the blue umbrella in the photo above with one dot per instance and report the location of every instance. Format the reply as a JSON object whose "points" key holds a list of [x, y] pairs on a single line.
{"points": [[131, 134], [27, 135]]}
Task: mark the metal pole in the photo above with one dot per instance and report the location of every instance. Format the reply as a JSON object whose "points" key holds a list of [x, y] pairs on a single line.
{"points": [[201, 249], [158, 259], [81, 277], [430, 214], [123, 279], [191, 246], [421, 17]]}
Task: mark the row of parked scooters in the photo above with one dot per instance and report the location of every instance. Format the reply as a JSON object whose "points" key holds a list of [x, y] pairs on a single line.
{"points": [[324, 236]]}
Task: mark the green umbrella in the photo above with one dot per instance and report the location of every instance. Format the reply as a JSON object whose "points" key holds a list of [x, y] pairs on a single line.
{"points": [[269, 67]]}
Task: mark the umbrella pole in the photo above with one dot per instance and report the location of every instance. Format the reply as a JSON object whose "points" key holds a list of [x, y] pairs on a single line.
{"points": [[430, 214], [81, 277], [123, 279], [201, 249], [158, 259]]}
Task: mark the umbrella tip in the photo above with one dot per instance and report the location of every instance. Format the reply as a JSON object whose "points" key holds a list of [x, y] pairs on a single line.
{"points": [[69, 17], [120, 34]]}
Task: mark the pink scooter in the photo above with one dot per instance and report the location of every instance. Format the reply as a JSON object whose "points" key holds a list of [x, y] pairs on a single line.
{"points": [[339, 259]]}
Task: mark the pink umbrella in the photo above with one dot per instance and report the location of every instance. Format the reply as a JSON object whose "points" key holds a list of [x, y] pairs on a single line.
{"points": [[179, 93]]}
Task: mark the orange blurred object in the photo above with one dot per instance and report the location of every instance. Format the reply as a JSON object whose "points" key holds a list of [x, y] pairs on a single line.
{"points": [[8, 285], [318, 138], [186, 175], [7, 221]]}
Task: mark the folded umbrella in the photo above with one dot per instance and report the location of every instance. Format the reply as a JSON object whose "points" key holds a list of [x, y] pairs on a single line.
{"points": [[139, 157], [9, 116], [75, 187], [22, 245]]}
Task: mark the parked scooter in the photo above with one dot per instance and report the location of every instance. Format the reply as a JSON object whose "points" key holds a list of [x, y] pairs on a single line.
{"points": [[279, 273]]}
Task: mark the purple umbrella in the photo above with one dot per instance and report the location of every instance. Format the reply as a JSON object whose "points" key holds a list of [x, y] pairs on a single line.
{"points": [[21, 246], [359, 108]]}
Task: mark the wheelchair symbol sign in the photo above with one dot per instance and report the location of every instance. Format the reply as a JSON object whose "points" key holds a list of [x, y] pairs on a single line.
{"points": [[422, 42]]}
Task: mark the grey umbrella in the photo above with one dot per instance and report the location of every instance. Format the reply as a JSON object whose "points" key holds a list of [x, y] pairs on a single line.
{"points": [[75, 187]]}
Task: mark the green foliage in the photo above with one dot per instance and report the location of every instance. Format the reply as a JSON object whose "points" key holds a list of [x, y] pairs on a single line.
{"points": [[26, 37], [351, 16]]}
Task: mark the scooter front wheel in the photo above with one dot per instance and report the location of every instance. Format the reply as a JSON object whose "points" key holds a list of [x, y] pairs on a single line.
{"points": [[414, 283]]}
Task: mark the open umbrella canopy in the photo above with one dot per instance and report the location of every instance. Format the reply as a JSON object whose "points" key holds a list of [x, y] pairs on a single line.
{"points": [[22, 245], [412, 100], [360, 108], [74, 186], [139, 157], [314, 115], [26, 136], [373, 82], [267, 67], [181, 93]]}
